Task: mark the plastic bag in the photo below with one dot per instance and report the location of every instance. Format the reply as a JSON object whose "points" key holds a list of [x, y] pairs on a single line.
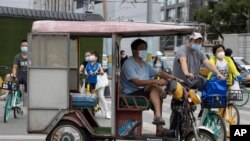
{"points": [[235, 86], [215, 87], [102, 81]]}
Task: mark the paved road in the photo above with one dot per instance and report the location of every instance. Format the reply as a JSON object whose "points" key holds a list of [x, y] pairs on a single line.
{"points": [[15, 129]]}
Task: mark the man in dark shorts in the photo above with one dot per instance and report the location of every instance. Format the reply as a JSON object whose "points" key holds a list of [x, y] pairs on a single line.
{"points": [[19, 69], [137, 80]]}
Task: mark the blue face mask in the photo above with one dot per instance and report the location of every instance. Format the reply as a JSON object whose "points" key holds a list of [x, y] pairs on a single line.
{"points": [[24, 49], [196, 47], [143, 54]]}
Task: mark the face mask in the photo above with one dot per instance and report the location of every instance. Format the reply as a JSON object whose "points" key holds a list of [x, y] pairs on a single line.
{"points": [[220, 55], [24, 49], [124, 55], [196, 47], [92, 58], [87, 58], [143, 54]]}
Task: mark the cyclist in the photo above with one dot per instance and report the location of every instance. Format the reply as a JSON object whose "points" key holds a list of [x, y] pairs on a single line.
{"points": [[224, 64], [19, 69], [188, 61]]}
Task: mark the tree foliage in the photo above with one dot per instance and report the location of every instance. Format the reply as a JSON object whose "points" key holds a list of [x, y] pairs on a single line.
{"points": [[225, 16]]}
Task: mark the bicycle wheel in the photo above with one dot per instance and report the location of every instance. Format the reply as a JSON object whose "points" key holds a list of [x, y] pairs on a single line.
{"points": [[231, 116], [216, 123], [17, 112], [203, 134], [245, 97], [8, 107]]}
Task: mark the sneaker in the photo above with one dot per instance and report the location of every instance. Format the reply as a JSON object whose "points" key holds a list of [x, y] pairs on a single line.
{"points": [[158, 121], [107, 116]]}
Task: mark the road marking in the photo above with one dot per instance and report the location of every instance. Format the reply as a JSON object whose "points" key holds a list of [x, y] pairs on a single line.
{"points": [[21, 137]]}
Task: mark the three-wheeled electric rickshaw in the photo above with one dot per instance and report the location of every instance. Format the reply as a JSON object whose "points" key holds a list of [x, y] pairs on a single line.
{"points": [[57, 108]]}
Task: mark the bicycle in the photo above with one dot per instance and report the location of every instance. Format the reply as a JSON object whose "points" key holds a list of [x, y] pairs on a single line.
{"points": [[230, 114], [213, 120], [245, 94], [13, 100], [183, 120]]}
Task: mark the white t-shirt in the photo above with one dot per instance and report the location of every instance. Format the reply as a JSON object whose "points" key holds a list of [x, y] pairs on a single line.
{"points": [[222, 67]]}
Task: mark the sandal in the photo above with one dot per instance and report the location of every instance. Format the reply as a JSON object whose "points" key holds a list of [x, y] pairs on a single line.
{"points": [[158, 121]]}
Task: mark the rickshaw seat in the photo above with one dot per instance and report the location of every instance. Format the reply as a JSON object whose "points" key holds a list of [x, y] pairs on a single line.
{"points": [[130, 108], [134, 103], [83, 100]]}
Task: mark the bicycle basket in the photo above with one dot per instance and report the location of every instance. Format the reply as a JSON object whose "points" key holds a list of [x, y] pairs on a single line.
{"points": [[236, 95], [9, 85], [214, 94]]}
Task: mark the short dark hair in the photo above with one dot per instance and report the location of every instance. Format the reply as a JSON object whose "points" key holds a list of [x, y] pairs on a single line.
{"points": [[138, 42], [122, 51], [23, 40], [216, 47], [228, 52]]}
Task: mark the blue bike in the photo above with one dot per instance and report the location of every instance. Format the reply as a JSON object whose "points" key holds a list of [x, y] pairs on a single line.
{"points": [[13, 101]]}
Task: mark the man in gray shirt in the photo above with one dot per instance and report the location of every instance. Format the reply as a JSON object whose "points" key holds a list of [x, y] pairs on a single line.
{"points": [[188, 61]]}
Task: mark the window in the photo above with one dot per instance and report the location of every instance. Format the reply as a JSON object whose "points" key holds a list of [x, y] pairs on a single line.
{"points": [[79, 4], [162, 2], [171, 2], [182, 1], [180, 13], [170, 14], [162, 16]]}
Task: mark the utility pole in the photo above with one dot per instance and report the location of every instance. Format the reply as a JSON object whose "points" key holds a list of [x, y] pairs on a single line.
{"points": [[149, 20], [105, 10]]}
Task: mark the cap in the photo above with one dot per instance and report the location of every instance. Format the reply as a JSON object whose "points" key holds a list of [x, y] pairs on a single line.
{"points": [[158, 53], [195, 35]]}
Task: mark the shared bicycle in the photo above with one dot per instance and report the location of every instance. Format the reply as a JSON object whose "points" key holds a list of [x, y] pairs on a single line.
{"points": [[14, 99]]}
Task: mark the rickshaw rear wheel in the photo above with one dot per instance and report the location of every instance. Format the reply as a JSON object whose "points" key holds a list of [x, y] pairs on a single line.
{"points": [[67, 131]]}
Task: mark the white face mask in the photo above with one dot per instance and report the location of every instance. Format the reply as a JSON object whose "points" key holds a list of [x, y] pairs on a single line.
{"points": [[92, 58], [220, 55], [87, 58]]}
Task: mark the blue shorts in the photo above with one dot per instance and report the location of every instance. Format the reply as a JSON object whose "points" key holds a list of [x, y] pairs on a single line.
{"points": [[92, 85]]}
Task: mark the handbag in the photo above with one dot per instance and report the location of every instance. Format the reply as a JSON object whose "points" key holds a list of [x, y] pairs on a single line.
{"points": [[102, 81]]}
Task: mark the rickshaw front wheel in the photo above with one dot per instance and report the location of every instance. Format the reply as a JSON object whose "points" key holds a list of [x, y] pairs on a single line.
{"points": [[67, 131]]}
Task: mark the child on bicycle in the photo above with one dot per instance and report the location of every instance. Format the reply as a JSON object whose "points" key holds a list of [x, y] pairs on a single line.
{"points": [[93, 68]]}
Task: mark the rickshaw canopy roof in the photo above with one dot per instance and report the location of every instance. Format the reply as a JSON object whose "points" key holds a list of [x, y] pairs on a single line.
{"points": [[107, 28]]}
